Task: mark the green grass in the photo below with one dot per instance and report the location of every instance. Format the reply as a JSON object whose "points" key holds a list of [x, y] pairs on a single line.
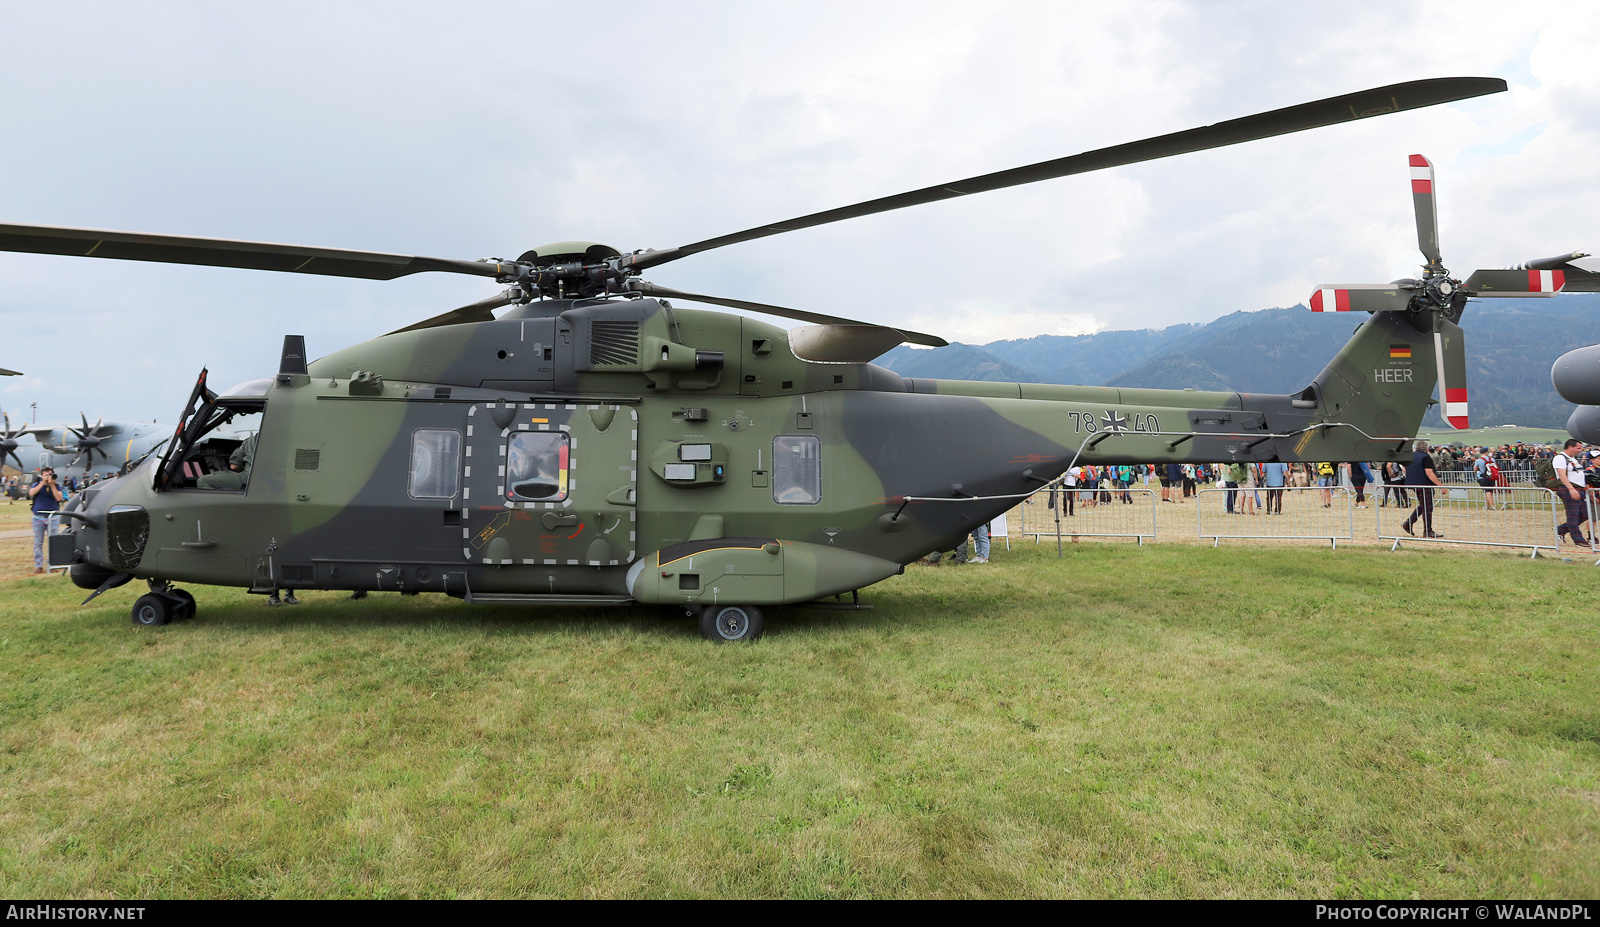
{"points": [[1123, 722]]}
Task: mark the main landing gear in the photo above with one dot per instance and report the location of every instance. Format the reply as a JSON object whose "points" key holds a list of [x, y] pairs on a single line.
{"points": [[730, 623], [162, 604]]}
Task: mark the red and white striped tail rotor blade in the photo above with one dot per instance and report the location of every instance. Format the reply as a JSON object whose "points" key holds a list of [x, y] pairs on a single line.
{"points": [[1507, 283], [1426, 207], [1360, 297], [1450, 353]]}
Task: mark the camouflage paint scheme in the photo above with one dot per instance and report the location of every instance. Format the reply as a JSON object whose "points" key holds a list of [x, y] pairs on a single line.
{"points": [[329, 506]]}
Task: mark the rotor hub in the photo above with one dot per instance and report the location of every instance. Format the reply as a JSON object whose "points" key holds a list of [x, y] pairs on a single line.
{"points": [[566, 270]]}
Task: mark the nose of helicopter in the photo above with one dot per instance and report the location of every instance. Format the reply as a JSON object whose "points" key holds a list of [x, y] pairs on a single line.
{"points": [[100, 539]]}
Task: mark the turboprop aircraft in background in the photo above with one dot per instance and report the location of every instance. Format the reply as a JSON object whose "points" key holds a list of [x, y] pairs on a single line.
{"points": [[1576, 374], [102, 448]]}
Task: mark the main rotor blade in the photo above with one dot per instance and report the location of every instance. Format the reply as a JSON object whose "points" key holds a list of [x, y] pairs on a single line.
{"points": [[9, 373], [651, 289], [224, 252], [480, 311], [1427, 210], [1378, 101]]}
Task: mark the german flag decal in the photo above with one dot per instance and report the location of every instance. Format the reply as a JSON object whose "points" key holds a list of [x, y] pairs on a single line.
{"points": [[1399, 350]]}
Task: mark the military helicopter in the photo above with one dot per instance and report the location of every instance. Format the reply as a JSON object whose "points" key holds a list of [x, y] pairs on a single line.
{"points": [[597, 444]]}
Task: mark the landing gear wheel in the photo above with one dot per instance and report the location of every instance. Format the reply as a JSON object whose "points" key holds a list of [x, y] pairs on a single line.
{"points": [[185, 608], [730, 623], [152, 611]]}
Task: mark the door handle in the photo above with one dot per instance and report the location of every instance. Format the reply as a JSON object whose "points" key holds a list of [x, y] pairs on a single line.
{"points": [[553, 521]]}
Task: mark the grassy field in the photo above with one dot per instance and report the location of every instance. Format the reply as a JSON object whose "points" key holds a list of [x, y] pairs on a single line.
{"points": [[1125, 722], [1496, 436]]}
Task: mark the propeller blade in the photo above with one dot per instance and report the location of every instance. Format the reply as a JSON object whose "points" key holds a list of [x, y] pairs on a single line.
{"points": [[1378, 101], [480, 311], [1450, 352], [1360, 297], [651, 289], [1515, 283], [1584, 424], [224, 252], [843, 344], [1576, 376], [13, 456], [1427, 210]]}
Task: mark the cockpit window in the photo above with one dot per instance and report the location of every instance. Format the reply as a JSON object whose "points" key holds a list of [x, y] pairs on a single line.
{"points": [[205, 453], [796, 470], [536, 466], [435, 463]]}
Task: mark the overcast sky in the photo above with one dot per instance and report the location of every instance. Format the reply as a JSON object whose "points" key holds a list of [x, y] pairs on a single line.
{"points": [[485, 130]]}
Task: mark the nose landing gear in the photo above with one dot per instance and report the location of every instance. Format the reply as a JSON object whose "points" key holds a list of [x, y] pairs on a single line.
{"points": [[162, 604]]}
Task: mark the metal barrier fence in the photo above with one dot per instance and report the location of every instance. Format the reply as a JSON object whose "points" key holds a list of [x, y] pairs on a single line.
{"points": [[1310, 513], [1058, 513], [1592, 498], [1517, 516], [1470, 478]]}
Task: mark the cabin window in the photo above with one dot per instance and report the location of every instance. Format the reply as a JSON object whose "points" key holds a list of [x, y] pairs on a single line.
{"points": [[435, 463], [536, 466], [796, 470]]}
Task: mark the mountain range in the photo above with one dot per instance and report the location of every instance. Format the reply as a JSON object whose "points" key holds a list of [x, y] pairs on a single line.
{"points": [[1511, 344]]}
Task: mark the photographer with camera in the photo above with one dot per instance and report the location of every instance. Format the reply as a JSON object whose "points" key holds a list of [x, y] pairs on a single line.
{"points": [[47, 498]]}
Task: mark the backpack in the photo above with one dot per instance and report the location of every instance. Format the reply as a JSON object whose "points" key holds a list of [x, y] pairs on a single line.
{"points": [[1544, 473], [1492, 471]]}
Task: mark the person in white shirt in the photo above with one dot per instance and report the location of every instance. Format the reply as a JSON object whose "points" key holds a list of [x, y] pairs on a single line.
{"points": [[1569, 472]]}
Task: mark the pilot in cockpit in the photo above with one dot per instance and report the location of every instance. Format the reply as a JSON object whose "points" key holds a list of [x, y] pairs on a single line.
{"points": [[237, 476]]}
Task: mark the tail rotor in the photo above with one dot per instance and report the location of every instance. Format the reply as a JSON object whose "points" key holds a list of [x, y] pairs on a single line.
{"points": [[1434, 302]]}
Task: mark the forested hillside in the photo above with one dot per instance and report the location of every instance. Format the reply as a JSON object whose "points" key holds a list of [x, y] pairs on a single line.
{"points": [[1511, 344]]}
